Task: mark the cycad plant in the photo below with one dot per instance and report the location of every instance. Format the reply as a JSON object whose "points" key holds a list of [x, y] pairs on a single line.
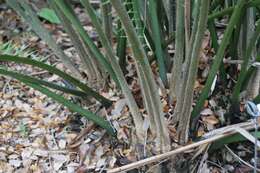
{"points": [[148, 28], [108, 60]]}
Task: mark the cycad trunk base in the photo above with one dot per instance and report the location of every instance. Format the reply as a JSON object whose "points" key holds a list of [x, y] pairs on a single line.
{"points": [[189, 68], [176, 76], [149, 89], [137, 117], [89, 64]]}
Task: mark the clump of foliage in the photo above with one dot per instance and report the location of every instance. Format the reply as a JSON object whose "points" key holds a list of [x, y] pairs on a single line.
{"points": [[148, 28]]}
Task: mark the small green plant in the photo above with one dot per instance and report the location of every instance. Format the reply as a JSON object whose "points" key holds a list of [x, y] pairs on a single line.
{"points": [[9, 48], [23, 129]]}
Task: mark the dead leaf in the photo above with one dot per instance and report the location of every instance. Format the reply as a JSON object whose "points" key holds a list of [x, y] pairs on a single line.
{"points": [[40, 152], [206, 111], [212, 120], [118, 107], [59, 160], [15, 162]]}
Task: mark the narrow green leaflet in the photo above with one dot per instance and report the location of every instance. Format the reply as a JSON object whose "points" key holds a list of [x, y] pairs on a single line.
{"points": [[157, 41], [43, 82], [73, 107], [58, 72]]}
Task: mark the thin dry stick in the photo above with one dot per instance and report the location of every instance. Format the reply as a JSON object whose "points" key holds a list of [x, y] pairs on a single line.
{"points": [[222, 133], [239, 158]]}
